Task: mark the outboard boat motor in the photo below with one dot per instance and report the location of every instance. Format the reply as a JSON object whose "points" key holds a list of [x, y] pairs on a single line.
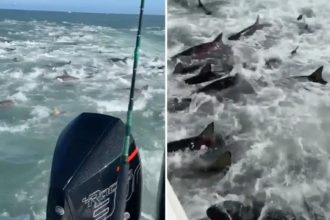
{"points": [[85, 170]]}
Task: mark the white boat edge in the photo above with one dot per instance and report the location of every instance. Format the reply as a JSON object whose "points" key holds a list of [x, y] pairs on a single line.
{"points": [[174, 209]]}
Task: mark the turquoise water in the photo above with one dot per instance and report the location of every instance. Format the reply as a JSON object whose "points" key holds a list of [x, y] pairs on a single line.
{"points": [[34, 47]]}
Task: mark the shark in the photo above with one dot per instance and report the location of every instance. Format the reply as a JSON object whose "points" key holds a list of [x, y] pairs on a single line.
{"points": [[228, 87], [203, 167], [206, 74], [116, 59], [251, 210], [294, 51], [249, 30], [65, 77], [315, 77], [7, 103], [9, 49], [215, 49], [206, 138], [182, 69], [202, 6], [220, 164]]}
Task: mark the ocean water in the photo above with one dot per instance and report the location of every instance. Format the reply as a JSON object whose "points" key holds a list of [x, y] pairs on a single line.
{"points": [[34, 49], [285, 125]]}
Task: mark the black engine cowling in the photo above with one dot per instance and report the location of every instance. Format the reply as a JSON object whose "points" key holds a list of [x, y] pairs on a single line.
{"points": [[85, 169]]}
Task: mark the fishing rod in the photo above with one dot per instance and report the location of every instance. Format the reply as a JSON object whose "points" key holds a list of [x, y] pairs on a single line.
{"points": [[124, 167]]}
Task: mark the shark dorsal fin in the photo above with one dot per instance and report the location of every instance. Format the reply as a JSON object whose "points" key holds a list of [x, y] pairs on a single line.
{"points": [[206, 69], [294, 51], [257, 20], [208, 131], [145, 87], [218, 39], [316, 76], [178, 68], [65, 73]]}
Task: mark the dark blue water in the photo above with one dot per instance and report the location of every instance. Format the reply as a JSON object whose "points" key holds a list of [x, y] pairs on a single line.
{"points": [[116, 21], [112, 20]]}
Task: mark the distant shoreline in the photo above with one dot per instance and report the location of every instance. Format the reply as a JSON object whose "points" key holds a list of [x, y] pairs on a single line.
{"points": [[73, 12]]}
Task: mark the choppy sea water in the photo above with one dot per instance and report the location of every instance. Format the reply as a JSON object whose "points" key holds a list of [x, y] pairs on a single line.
{"points": [[34, 49], [286, 126]]}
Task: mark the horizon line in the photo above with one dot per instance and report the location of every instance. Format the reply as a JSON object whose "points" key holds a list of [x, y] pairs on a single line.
{"points": [[69, 11]]}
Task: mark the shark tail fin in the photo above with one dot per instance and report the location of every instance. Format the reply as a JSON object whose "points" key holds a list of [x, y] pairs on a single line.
{"points": [[257, 20], [316, 76], [300, 17], [125, 59], [218, 39], [208, 131], [206, 69], [294, 51]]}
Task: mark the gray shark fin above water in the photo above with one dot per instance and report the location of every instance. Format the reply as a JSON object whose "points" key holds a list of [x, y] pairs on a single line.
{"points": [[200, 48], [204, 75], [251, 28], [206, 138], [316, 76], [257, 21], [208, 132], [180, 68], [218, 39], [206, 69], [294, 51], [202, 6]]}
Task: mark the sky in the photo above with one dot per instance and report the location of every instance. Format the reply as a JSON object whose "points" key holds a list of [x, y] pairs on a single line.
{"points": [[154, 7]]}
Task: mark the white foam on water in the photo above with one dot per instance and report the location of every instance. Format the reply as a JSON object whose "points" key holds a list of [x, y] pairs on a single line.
{"points": [[40, 112], [119, 105], [146, 216], [19, 96], [287, 125], [157, 32], [13, 129]]}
